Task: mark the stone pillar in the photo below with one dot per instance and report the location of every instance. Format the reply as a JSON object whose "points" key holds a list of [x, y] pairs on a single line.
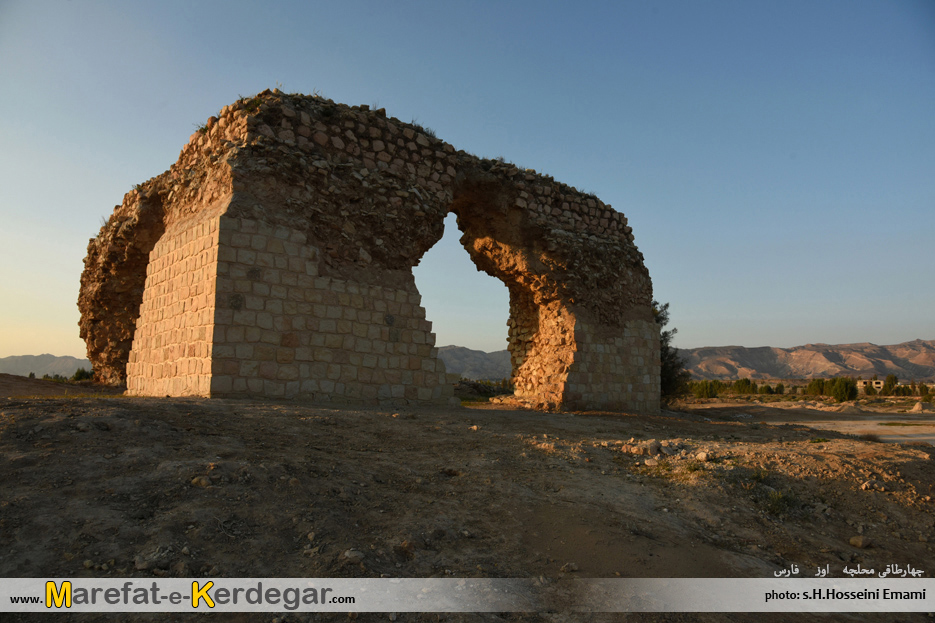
{"points": [[174, 339], [236, 307]]}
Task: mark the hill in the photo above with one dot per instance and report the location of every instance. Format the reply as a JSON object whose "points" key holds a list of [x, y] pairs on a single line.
{"points": [[22, 365], [913, 360], [476, 364]]}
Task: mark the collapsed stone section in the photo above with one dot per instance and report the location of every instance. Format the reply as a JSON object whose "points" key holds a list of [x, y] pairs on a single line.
{"points": [[113, 281], [275, 259]]}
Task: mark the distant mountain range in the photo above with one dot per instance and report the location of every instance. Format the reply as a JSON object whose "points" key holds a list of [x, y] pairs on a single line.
{"points": [[42, 365], [909, 361], [471, 364], [476, 364]]}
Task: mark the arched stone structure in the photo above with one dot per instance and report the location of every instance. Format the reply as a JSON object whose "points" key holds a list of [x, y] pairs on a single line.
{"points": [[275, 259]]}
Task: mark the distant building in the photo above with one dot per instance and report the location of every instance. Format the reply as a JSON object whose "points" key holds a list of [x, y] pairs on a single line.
{"points": [[878, 384]]}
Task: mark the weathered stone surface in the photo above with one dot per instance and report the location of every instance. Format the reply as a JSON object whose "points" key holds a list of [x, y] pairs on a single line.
{"points": [[113, 280], [262, 266], [860, 542]]}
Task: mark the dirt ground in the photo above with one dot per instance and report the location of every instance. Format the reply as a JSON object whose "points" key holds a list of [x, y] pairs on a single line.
{"points": [[13, 386], [115, 486]]}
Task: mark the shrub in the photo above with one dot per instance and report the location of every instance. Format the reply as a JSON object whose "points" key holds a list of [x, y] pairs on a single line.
{"points": [[869, 390], [705, 389], [673, 376], [431, 133], [82, 375], [780, 503], [765, 389], [844, 388], [692, 466], [815, 387], [889, 384], [759, 475]]}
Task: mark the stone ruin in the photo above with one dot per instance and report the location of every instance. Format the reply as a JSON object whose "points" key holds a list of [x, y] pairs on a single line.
{"points": [[274, 259]]}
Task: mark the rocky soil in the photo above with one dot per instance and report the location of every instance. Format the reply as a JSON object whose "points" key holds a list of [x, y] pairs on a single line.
{"points": [[98, 487]]}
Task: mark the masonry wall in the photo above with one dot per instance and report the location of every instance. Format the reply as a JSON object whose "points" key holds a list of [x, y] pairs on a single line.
{"points": [[237, 307], [309, 293], [614, 370], [172, 345], [281, 329]]}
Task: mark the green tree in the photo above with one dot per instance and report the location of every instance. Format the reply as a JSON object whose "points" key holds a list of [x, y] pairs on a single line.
{"points": [[82, 375], [889, 384], [923, 389], [815, 387], [705, 389], [673, 376], [844, 388], [32, 375], [744, 386], [869, 389], [779, 389], [765, 389]]}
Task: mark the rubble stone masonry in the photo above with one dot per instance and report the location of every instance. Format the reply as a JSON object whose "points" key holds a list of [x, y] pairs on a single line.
{"points": [[274, 259]]}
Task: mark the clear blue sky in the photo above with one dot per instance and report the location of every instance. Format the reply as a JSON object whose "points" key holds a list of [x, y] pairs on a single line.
{"points": [[775, 159]]}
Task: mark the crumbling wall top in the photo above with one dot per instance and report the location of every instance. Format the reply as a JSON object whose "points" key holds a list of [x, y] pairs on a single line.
{"points": [[371, 192]]}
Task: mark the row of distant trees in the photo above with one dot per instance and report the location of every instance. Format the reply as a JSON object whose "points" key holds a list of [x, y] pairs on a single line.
{"points": [[711, 389], [840, 388], [503, 384], [892, 388], [80, 375]]}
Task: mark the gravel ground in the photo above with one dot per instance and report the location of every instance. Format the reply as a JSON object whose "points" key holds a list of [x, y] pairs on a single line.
{"points": [[115, 487]]}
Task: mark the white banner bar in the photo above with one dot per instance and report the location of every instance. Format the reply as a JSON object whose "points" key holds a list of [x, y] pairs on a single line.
{"points": [[758, 595], [467, 595], [267, 595]]}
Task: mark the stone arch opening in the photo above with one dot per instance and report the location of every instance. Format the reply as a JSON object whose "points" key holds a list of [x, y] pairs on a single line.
{"points": [[467, 307], [502, 242], [283, 255]]}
